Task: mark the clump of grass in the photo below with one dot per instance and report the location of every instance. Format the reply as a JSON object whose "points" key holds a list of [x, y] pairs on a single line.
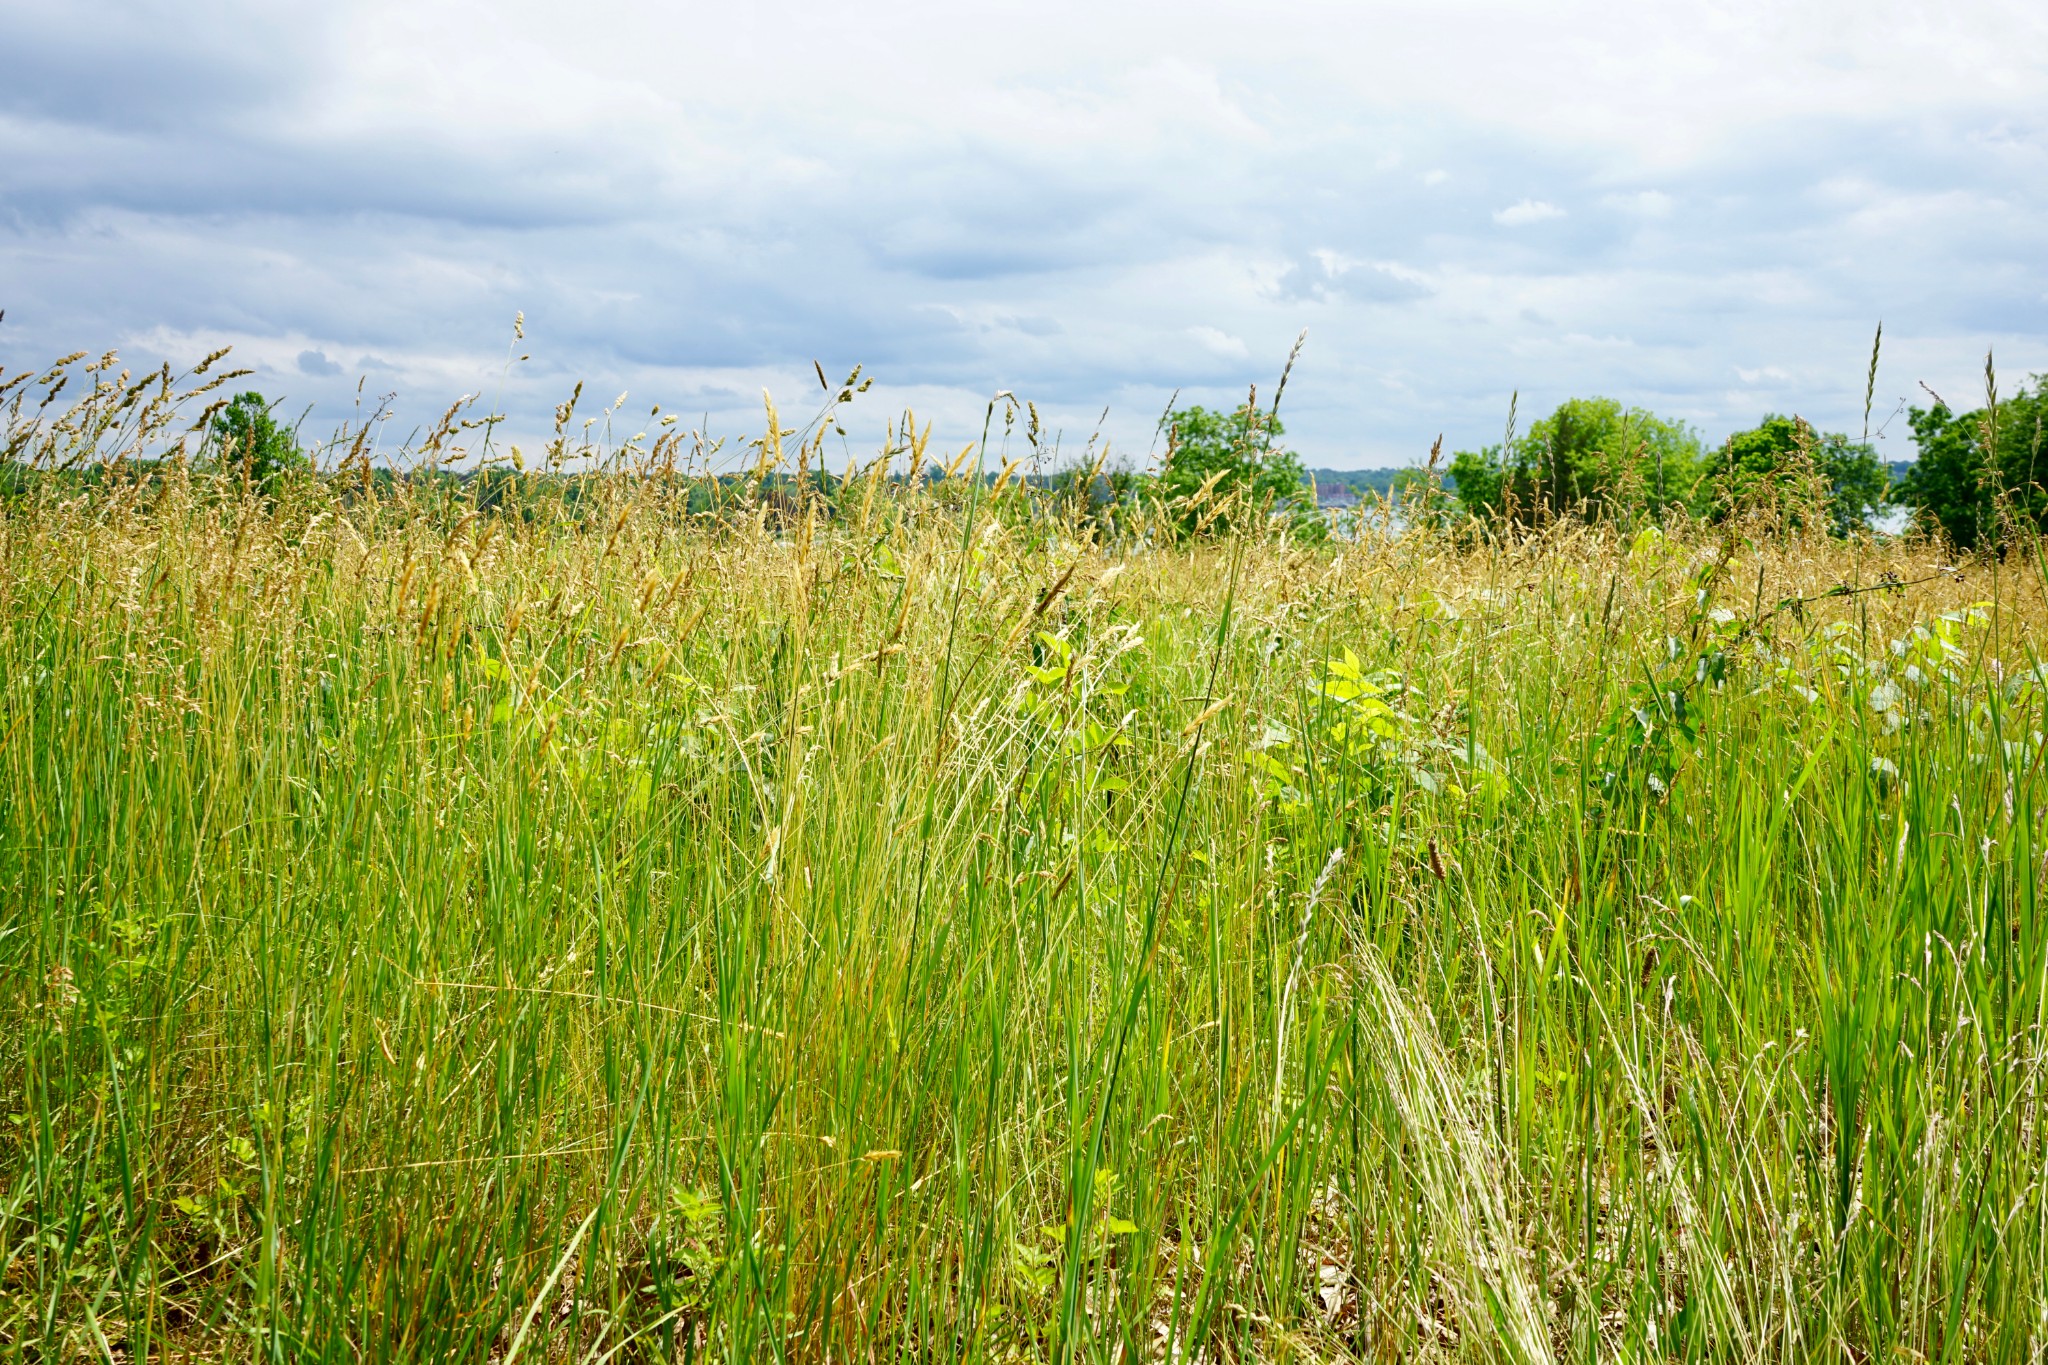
{"points": [[654, 920]]}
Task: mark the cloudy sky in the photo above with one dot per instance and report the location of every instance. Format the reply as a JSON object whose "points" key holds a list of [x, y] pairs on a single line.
{"points": [[1701, 208]]}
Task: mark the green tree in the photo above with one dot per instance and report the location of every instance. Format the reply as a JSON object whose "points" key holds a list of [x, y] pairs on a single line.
{"points": [[1787, 460], [1479, 478], [1977, 469], [1239, 452], [1590, 458], [248, 440]]}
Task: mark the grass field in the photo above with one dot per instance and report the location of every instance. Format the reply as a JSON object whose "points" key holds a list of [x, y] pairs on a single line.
{"points": [[940, 932]]}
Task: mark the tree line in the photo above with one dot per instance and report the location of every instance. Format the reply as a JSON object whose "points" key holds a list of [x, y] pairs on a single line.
{"points": [[1980, 475]]}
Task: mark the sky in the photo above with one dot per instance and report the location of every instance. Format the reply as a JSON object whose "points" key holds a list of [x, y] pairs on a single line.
{"points": [[1702, 209]]}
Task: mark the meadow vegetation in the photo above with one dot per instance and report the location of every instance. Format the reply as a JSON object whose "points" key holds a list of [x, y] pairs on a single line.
{"points": [[640, 917]]}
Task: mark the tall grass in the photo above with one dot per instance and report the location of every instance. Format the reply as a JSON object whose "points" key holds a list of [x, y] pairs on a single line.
{"points": [[944, 931]]}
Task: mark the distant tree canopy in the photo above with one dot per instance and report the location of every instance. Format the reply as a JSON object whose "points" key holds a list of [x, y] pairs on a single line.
{"points": [[1240, 451], [1785, 460], [1591, 458], [1596, 459], [1980, 471], [246, 438]]}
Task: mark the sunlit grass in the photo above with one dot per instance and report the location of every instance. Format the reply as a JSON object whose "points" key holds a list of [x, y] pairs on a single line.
{"points": [[944, 930]]}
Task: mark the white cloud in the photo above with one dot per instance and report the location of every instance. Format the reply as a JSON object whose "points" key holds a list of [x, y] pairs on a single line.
{"points": [[1218, 342], [1526, 211]]}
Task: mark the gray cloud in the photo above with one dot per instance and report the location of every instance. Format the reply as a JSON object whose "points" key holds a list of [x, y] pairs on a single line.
{"points": [[1328, 277], [343, 196], [134, 68]]}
